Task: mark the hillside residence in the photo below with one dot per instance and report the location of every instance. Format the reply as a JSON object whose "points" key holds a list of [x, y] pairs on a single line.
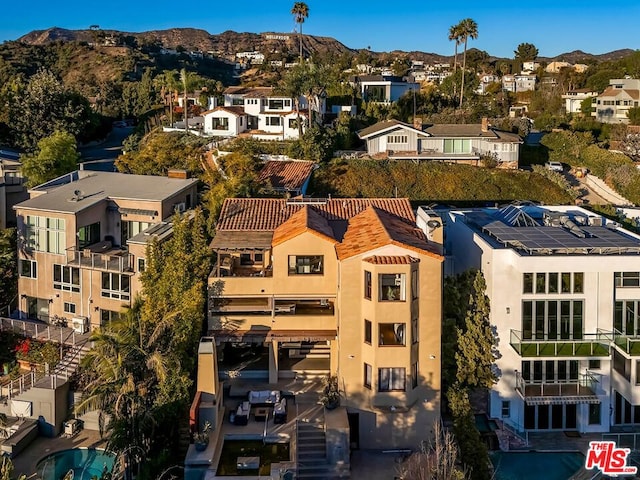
{"points": [[353, 277], [612, 105], [486, 79], [465, 143], [573, 99], [12, 189], [287, 176], [565, 303], [555, 67], [520, 82], [258, 112], [382, 88], [194, 98], [82, 241], [530, 66]]}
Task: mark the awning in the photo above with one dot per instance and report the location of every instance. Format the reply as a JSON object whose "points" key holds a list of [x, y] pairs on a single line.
{"points": [[137, 211], [259, 336], [563, 400], [241, 240]]}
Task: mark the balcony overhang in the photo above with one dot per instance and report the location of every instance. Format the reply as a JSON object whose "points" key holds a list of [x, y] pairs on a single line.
{"points": [[259, 336], [563, 400], [235, 240]]}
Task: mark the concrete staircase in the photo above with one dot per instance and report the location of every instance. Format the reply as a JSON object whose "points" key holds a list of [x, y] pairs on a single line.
{"points": [[71, 361], [311, 453], [311, 350]]}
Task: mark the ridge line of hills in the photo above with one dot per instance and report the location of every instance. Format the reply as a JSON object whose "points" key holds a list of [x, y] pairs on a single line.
{"points": [[228, 43]]}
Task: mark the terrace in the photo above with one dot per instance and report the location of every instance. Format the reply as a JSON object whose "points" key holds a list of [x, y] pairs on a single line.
{"points": [[101, 256], [590, 345]]}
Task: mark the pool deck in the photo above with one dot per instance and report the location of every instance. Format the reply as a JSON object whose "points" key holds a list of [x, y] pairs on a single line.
{"points": [[25, 463]]}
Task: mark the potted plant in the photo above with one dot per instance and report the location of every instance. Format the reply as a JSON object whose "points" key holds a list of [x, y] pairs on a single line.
{"points": [[201, 439], [330, 396]]}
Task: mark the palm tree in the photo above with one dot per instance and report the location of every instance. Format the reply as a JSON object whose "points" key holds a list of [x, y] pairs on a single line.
{"points": [[454, 34], [468, 29], [189, 81], [300, 12], [168, 83]]}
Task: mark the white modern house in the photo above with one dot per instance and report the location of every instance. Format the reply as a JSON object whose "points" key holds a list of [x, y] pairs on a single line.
{"points": [[564, 287], [464, 143], [573, 99], [612, 105], [520, 82], [382, 88], [257, 112]]}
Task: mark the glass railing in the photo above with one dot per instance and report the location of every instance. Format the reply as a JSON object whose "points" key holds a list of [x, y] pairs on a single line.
{"points": [[114, 261], [586, 384], [628, 343], [590, 345]]}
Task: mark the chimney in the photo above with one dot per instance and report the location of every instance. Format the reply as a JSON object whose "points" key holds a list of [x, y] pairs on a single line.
{"points": [[177, 173], [485, 124], [417, 123]]}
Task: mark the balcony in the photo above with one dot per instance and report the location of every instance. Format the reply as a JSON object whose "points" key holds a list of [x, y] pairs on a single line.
{"points": [[277, 307], [591, 345], [630, 344], [539, 392], [231, 267], [101, 256]]}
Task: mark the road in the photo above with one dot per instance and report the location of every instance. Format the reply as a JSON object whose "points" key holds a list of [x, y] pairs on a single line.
{"points": [[106, 152]]}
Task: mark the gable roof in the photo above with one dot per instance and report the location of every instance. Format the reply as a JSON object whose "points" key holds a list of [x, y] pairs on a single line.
{"points": [[287, 175], [235, 110], [386, 125], [614, 92], [374, 228], [304, 220]]}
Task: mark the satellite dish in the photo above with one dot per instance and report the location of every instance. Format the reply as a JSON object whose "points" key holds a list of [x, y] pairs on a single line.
{"points": [[433, 224], [77, 193]]}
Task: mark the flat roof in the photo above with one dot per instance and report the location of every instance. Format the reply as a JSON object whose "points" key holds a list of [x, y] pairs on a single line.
{"points": [[85, 188]]}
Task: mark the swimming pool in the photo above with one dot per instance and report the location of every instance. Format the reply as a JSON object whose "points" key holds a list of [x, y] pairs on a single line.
{"points": [[535, 465], [86, 463]]}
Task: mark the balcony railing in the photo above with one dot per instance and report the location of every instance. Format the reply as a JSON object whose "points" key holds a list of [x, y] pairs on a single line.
{"points": [[230, 268], [265, 306], [590, 345], [537, 391], [112, 261], [629, 343]]}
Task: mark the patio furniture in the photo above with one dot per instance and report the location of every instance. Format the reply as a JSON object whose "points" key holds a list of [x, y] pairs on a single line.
{"points": [[280, 412], [261, 414], [248, 463], [242, 414], [264, 397]]}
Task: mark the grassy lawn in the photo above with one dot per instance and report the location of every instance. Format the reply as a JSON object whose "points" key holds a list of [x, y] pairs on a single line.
{"points": [[268, 452]]}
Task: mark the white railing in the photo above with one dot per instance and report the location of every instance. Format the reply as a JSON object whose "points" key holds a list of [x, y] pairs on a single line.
{"points": [[524, 436], [43, 331]]}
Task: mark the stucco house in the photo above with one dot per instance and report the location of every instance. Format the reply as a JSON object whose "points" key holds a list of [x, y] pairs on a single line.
{"points": [[382, 88], [465, 143], [612, 105]]}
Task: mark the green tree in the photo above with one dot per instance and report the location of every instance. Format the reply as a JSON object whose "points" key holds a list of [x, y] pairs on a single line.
{"points": [[468, 29], [476, 353], [188, 81], [526, 52], [169, 83], [45, 106], [56, 155], [300, 12], [586, 106], [8, 270], [634, 115], [317, 143]]}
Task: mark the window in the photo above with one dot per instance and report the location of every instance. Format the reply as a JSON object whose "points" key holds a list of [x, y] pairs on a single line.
{"points": [[276, 104], [108, 316], [527, 283], [414, 284], [367, 332], [392, 334], [627, 279], [549, 371], [367, 284], [293, 123], [621, 364], [506, 409], [130, 229], [89, 235], [552, 319], [115, 285], [368, 373], [45, 234], [220, 123], [553, 282], [141, 265], [625, 317], [391, 287], [637, 372], [273, 121], [457, 145], [541, 283], [414, 331], [305, 265], [28, 268], [414, 375], [594, 364], [66, 278], [565, 281], [594, 413], [237, 101], [69, 307], [391, 379], [397, 139]]}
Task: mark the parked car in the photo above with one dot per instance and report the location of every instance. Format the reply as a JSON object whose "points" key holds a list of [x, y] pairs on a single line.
{"points": [[555, 166]]}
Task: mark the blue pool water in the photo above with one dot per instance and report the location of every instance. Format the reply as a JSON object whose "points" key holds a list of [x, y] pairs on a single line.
{"points": [[536, 465], [86, 464]]}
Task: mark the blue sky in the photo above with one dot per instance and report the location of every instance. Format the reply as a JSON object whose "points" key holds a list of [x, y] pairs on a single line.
{"points": [[554, 27]]}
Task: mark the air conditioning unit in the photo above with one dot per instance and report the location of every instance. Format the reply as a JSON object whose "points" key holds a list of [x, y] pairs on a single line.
{"points": [[80, 324], [71, 427], [180, 207]]}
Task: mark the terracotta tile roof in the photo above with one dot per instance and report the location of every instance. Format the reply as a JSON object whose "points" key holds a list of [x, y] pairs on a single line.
{"points": [[244, 90], [375, 228], [304, 220], [286, 175], [391, 259], [236, 110], [266, 214]]}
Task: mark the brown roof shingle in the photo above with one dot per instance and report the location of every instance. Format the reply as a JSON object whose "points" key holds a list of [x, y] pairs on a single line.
{"points": [[286, 175], [391, 259]]}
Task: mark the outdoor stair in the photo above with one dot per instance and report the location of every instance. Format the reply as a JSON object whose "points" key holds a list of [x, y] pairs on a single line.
{"points": [[311, 351], [311, 453], [71, 361]]}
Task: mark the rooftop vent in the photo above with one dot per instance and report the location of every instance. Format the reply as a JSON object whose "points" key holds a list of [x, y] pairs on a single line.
{"points": [[77, 196]]}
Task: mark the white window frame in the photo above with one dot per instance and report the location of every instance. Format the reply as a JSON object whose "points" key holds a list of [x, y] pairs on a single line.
{"points": [[66, 278], [32, 269], [114, 289]]}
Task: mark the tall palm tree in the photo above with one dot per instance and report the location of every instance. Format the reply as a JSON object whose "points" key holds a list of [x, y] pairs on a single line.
{"points": [[300, 12], [454, 34], [168, 83], [189, 81], [468, 29]]}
